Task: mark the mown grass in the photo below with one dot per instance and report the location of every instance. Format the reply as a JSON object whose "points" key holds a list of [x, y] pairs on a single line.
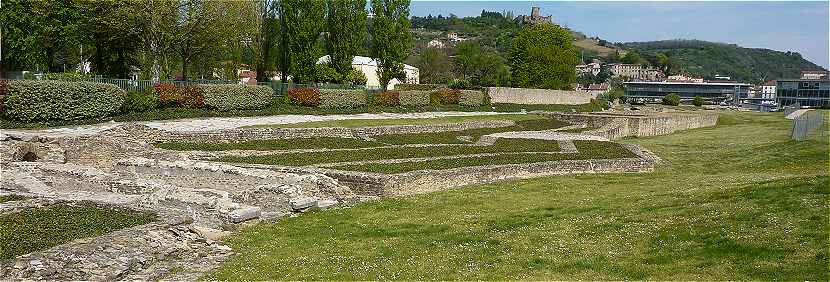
{"points": [[284, 109], [452, 137], [311, 158], [11, 197], [38, 229], [739, 201], [273, 144], [352, 123], [587, 150]]}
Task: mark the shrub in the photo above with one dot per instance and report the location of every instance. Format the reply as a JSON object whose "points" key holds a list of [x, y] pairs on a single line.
{"points": [[472, 98], [309, 97], [47, 100], [326, 74], [138, 102], [697, 101], [459, 84], [337, 98], [445, 97], [418, 87], [355, 77], [414, 98], [67, 75], [671, 99], [171, 95], [4, 84], [387, 99], [226, 97]]}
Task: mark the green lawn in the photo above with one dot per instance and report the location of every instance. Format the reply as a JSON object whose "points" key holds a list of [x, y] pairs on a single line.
{"points": [[739, 201], [38, 229], [11, 197], [352, 123]]}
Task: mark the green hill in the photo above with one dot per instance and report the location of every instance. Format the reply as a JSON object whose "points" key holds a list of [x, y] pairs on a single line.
{"points": [[707, 59]]}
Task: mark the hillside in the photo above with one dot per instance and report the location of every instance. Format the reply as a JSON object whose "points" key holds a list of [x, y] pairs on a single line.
{"points": [[706, 59]]}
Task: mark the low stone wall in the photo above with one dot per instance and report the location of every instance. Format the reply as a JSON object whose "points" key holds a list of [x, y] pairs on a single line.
{"points": [[620, 125], [425, 181], [246, 134], [537, 96]]}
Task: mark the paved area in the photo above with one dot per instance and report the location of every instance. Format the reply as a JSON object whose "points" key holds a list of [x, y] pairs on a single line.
{"points": [[219, 123]]}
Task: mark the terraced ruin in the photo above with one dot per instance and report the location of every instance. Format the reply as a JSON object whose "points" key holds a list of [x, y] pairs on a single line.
{"points": [[203, 184]]}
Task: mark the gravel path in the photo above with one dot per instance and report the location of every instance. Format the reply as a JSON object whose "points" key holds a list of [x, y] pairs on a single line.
{"points": [[219, 123]]}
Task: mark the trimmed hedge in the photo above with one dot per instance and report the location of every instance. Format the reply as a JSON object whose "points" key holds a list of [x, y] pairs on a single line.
{"points": [[473, 98], [47, 100], [309, 97], [418, 87], [414, 98], [338, 99], [445, 97], [139, 102], [225, 97], [387, 99], [171, 95]]}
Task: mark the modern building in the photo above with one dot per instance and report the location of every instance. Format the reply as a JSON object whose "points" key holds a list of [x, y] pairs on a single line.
{"points": [[369, 68], [810, 93], [635, 72], [768, 90], [814, 74], [712, 92]]}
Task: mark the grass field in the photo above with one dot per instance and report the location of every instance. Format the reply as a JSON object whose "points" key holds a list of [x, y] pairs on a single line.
{"points": [[27, 231], [351, 123], [739, 201]]}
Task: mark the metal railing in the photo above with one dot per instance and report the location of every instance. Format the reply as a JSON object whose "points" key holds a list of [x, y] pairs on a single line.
{"points": [[809, 124]]}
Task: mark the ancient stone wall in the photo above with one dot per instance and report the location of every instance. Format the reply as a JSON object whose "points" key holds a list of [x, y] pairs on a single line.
{"points": [[620, 125], [537, 96]]}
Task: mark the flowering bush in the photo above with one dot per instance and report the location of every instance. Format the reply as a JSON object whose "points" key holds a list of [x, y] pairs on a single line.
{"points": [[309, 97], [387, 99], [445, 97], [48, 100], [171, 95], [414, 98], [337, 98], [226, 97]]}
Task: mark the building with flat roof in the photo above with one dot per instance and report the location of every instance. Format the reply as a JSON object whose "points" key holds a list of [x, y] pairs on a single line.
{"points": [[635, 72], [812, 93], [712, 92]]}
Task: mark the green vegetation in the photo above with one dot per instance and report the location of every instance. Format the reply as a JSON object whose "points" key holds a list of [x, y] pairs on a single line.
{"points": [[302, 159], [543, 56], [671, 100], [10, 198], [697, 101], [587, 150], [391, 39], [274, 144], [739, 201], [451, 137], [706, 59], [26, 231], [351, 123], [48, 100]]}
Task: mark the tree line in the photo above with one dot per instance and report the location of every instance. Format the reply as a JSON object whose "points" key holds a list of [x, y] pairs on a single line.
{"points": [[182, 39]]}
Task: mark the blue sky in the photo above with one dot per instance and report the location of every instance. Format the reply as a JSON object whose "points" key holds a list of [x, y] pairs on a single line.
{"points": [[786, 26]]}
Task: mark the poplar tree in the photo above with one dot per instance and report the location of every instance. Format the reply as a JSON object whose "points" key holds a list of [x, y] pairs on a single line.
{"points": [[391, 39], [304, 20], [346, 29]]}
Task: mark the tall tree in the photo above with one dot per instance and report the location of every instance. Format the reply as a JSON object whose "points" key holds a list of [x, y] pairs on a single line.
{"points": [[159, 18], [482, 68], [39, 34], [391, 38], [543, 56], [304, 21], [112, 26], [346, 29], [267, 41], [434, 66]]}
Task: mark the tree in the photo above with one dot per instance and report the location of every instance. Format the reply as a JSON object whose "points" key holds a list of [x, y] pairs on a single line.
{"points": [[671, 99], [346, 27], [112, 27], [391, 38], [266, 42], [481, 67], [434, 66], [632, 57], [158, 33], [304, 20], [39, 34], [543, 56]]}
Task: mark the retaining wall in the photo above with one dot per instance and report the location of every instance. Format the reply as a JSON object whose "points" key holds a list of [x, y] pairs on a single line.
{"points": [[620, 125], [537, 96]]}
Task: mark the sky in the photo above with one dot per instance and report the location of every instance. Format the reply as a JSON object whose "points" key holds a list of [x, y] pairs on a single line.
{"points": [[802, 26]]}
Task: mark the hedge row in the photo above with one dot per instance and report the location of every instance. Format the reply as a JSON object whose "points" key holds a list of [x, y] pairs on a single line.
{"points": [[50, 100], [473, 98], [414, 98], [225, 97], [418, 87]]}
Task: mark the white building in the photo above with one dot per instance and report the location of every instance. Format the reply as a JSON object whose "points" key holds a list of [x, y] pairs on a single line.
{"points": [[768, 89], [634, 72], [369, 68], [592, 68], [435, 43]]}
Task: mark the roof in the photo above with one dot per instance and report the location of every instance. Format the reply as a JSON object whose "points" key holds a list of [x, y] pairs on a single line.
{"points": [[770, 83], [360, 61], [601, 86], [814, 71], [689, 83]]}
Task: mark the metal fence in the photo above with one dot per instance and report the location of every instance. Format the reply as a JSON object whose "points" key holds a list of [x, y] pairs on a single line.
{"points": [[278, 87], [811, 123]]}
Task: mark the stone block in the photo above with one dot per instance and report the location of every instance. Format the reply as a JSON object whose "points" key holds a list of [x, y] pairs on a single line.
{"points": [[244, 214], [299, 204]]}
